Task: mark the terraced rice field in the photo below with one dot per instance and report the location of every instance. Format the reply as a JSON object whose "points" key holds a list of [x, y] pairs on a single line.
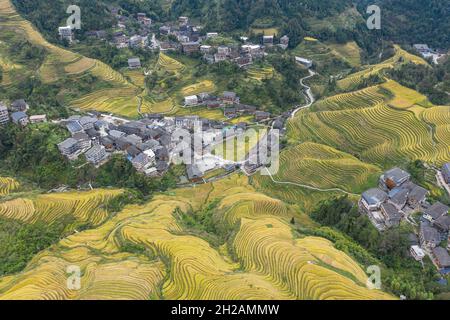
{"points": [[360, 123], [400, 57], [8, 68], [80, 66], [165, 106], [122, 101], [405, 98], [364, 98], [203, 112], [200, 87], [136, 77], [270, 263], [83, 206], [439, 120], [299, 266], [7, 186], [349, 51], [266, 31], [259, 74], [324, 167], [167, 63], [60, 62]]}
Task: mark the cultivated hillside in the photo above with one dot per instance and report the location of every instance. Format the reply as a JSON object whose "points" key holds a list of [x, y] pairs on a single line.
{"points": [[248, 250], [111, 92]]}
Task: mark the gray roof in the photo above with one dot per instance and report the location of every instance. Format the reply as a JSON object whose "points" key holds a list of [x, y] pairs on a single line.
{"points": [[81, 136], [421, 46], [150, 144], [16, 116], [374, 196], [193, 172], [101, 123], [162, 166], [94, 150], [391, 211], [20, 103], [418, 193], [68, 143], [262, 114], [229, 94], [397, 175], [86, 120], [115, 134], [3, 107], [437, 210], [106, 141], [429, 234], [74, 126], [92, 132], [133, 139], [443, 223], [134, 62], [141, 158], [442, 257], [133, 151], [399, 197]]}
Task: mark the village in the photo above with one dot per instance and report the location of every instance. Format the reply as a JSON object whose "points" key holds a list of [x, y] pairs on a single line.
{"points": [[184, 38], [153, 143], [398, 199]]}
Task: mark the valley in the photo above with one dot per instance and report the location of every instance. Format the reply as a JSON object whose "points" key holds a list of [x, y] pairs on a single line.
{"points": [[233, 230]]}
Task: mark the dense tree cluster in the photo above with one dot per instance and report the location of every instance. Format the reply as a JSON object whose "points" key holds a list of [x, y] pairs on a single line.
{"points": [[432, 82], [19, 242], [414, 21]]}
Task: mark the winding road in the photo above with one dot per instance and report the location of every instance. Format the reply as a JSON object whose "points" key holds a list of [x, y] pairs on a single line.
{"points": [[309, 96]]}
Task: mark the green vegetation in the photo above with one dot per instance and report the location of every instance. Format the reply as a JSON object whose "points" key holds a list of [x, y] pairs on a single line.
{"points": [[19, 242], [401, 274], [432, 82], [32, 153]]}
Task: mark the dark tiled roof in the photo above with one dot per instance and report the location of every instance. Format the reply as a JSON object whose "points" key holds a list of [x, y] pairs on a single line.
{"points": [[397, 175], [443, 223], [374, 196], [429, 233], [442, 257], [437, 210], [391, 211]]}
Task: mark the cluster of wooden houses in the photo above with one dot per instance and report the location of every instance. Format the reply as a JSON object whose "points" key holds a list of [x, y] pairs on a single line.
{"points": [[148, 143], [229, 102], [17, 113], [397, 198], [127, 37]]}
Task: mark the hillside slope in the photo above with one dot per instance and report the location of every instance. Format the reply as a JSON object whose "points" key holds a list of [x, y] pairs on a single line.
{"points": [[149, 251], [114, 94]]}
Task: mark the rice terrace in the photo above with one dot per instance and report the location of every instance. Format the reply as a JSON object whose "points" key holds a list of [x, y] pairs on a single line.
{"points": [[224, 151]]}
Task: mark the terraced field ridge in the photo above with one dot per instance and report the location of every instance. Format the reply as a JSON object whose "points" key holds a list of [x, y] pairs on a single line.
{"points": [[264, 259], [377, 127], [400, 57], [120, 97], [82, 206], [8, 185]]}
